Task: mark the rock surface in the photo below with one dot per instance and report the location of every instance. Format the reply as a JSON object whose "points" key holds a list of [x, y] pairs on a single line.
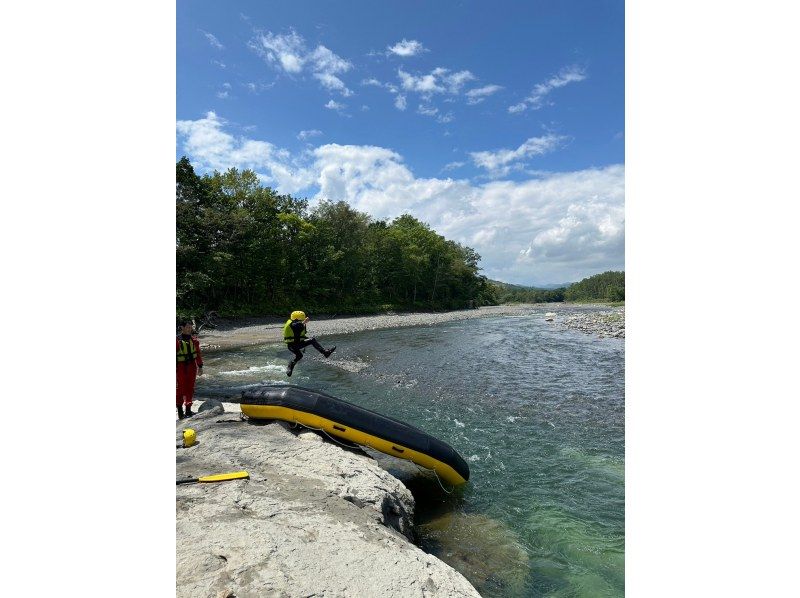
{"points": [[314, 519], [608, 322]]}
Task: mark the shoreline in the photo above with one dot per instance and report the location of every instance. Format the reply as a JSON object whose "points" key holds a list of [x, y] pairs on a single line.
{"points": [[245, 332]]}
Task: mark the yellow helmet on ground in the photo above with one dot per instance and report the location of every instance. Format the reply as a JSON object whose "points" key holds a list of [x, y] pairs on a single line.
{"points": [[189, 437], [298, 315]]}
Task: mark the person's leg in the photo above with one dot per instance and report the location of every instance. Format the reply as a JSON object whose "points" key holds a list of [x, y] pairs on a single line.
{"points": [[179, 392], [298, 355], [191, 377], [315, 343]]}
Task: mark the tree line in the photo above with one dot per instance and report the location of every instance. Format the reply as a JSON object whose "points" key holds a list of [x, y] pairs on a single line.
{"points": [[608, 286], [244, 249], [510, 293]]}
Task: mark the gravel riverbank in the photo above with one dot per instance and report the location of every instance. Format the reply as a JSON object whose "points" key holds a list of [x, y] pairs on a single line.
{"points": [[595, 319], [609, 322]]}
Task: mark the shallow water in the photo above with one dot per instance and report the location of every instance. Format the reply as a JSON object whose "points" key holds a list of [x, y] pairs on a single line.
{"points": [[536, 410]]}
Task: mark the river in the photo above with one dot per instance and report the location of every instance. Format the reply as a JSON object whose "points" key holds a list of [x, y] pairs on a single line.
{"points": [[537, 411]]}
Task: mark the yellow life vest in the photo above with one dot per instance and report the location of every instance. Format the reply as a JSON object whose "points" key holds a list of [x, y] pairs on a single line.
{"points": [[288, 333], [186, 351]]}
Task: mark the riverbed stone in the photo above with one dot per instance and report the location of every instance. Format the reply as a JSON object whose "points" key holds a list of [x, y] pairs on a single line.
{"points": [[314, 518]]}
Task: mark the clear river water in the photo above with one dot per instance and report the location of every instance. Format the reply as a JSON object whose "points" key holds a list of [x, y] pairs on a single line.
{"points": [[538, 412]]}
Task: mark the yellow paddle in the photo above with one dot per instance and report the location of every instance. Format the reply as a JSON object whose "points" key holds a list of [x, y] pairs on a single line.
{"points": [[220, 477]]}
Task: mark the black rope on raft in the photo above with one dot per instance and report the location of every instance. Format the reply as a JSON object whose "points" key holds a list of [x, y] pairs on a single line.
{"points": [[437, 477]]}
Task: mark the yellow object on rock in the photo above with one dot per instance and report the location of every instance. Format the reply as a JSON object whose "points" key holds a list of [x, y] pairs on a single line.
{"points": [[189, 437]]}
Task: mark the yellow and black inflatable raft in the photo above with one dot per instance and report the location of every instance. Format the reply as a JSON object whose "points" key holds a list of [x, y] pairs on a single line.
{"points": [[339, 418]]}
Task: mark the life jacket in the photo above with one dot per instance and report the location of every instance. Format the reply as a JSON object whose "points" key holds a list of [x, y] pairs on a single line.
{"points": [[288, 333], [187, 352]]}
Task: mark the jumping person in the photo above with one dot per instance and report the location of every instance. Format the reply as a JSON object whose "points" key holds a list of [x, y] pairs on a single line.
{"points": [[294, 335], [189, 366]]}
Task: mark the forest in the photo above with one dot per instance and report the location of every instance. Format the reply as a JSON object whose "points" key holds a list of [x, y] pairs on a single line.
{"points": [[243, 249]]}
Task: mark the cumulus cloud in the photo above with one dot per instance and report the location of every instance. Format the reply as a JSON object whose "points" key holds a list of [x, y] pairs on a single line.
{"points": [[560, 227], [212, 148], [303, 135], [400, 102], [425, 84], [213, 40], [406, 48], [333, 105], [535, 100], [289, 53], [476, 96], [500, 162]]}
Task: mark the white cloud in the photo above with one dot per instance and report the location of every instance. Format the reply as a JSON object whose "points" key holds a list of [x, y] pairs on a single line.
{"points": [[364, 108], [437, 81], [445, 118], [457, 80], [211, 148], [333, 83], [425, 84], [406, 48], [427, 110], [476, 96], [453, 166], [288, 52], [557, 228], [500, 162], [571, 74], [218, 63], [303, 135], [212, 40], [222, 94], [325, 61], [400, 102], [372, 81], [257, 88], [333, 105]]}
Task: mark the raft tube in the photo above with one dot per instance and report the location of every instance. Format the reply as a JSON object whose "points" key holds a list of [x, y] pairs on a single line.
{"points": [[318, 410]]}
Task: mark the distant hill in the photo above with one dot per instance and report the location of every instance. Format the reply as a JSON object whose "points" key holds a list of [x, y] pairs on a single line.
{"points": [[519, 287], [607, 286], [515, 293]]}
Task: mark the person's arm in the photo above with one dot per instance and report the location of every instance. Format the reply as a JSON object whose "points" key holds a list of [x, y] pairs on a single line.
{"points": [[199, 357]]}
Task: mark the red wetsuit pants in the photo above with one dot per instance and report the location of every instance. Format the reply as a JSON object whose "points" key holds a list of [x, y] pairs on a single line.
{"points": [[187, 373]]}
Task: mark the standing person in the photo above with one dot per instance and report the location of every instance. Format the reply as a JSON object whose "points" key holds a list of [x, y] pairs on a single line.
{"points": [[189, 366], [294, 335]]}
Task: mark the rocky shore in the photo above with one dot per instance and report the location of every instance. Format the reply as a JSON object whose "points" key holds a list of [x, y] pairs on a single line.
{"points": [[313, 519], [589, 318], [604, 323]]}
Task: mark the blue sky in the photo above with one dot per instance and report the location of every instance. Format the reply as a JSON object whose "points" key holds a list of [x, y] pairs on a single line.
{"points": [[500, 124]]}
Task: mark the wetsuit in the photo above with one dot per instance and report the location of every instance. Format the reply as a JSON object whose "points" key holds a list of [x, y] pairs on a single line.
{"points": [[299, 341]]}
